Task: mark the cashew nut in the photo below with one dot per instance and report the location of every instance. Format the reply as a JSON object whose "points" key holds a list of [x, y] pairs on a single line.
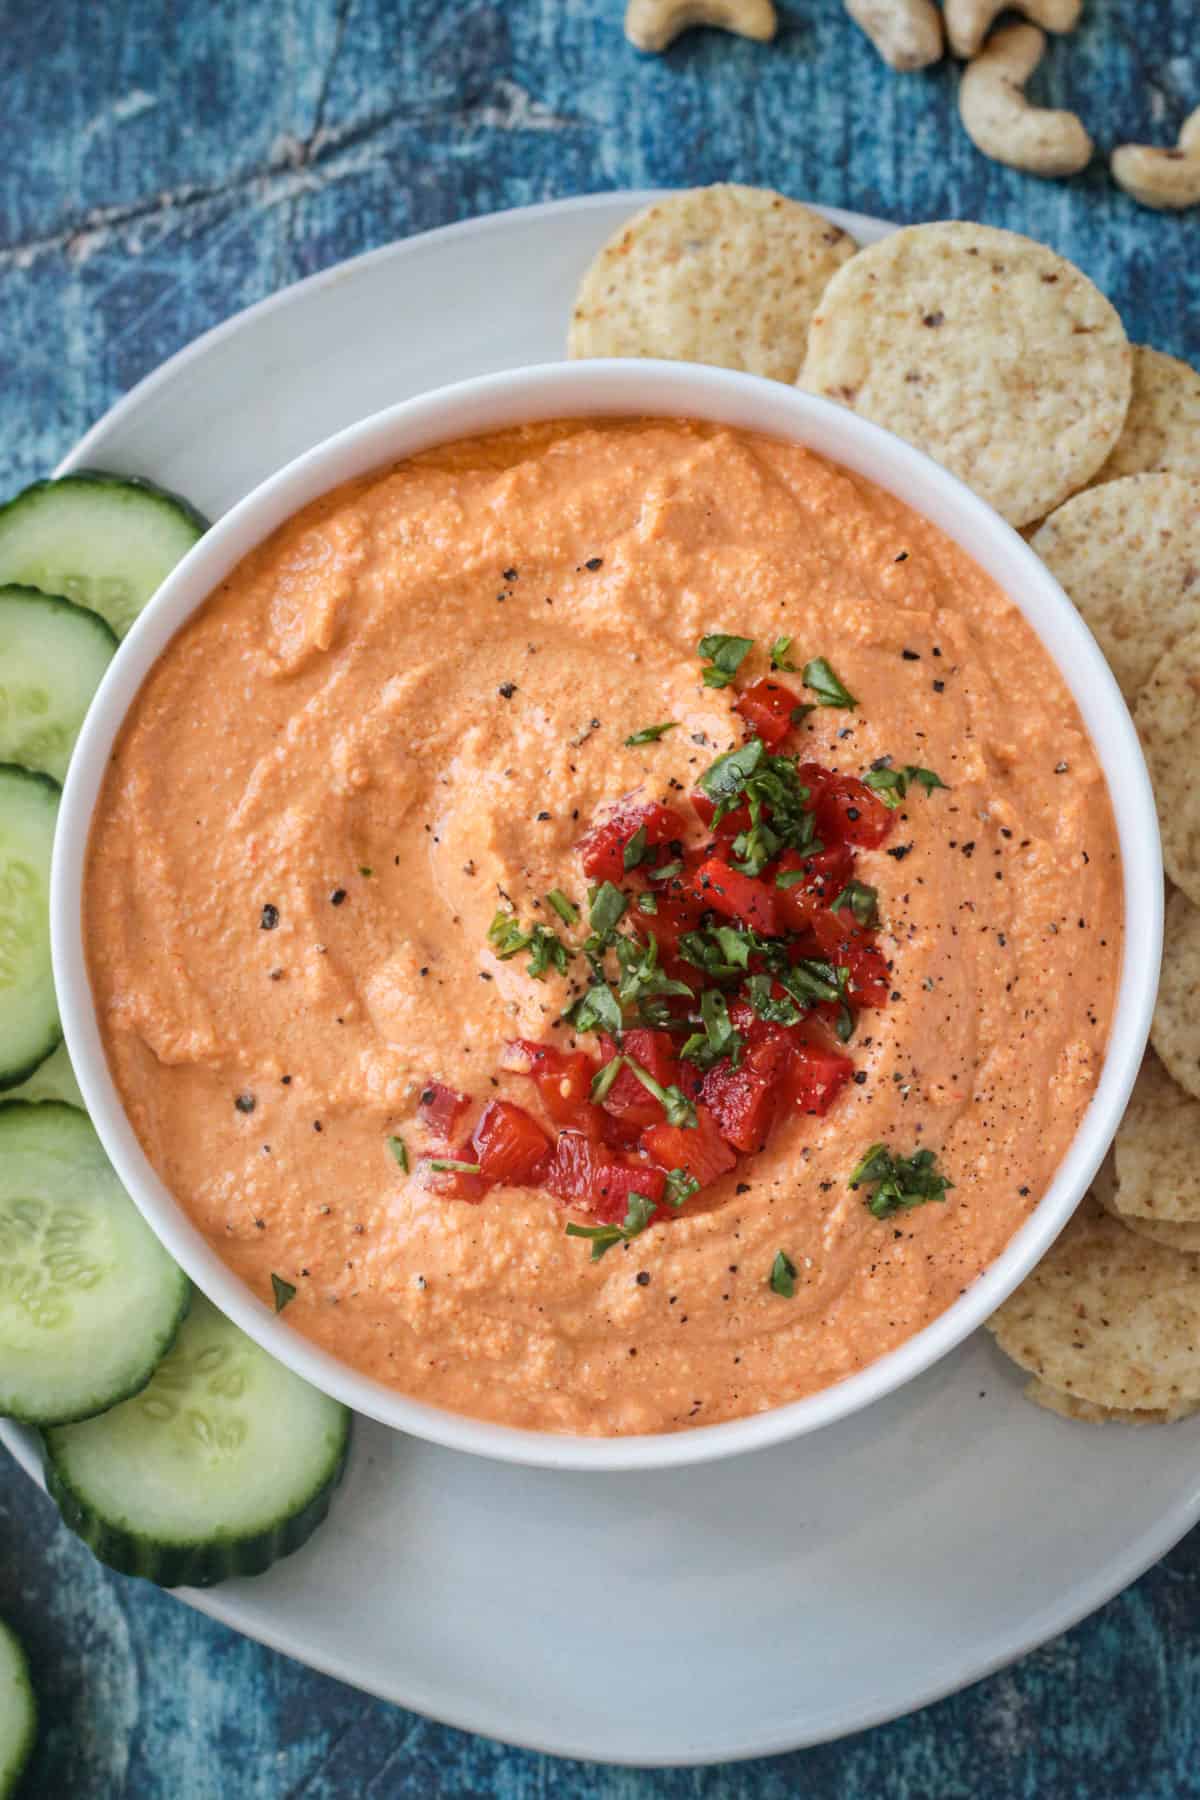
{"points": [[969, 21], [1164, 179], [1001, 122], [653, 24], [906, 33]]}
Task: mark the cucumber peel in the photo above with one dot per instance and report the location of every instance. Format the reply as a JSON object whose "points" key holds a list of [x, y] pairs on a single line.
{"points": [[18, 1711]]}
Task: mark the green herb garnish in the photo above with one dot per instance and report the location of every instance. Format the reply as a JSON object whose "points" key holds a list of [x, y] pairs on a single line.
{"points": [[665, 872], [861, 900], [680, 1186], [508, 939], [719, 1039], [673, 1100], [364, 871], [650, 734], [892, 784], [447, 1165], [603, 1237], [899, 1182], [812, 981], [399, 1150], [783, 1275], [635, 850], [640, 975], [607, 908], [726, 654], [566, 909], [776, 1010], [603, 1079], [764, 784], [779, 650], [830, 691], [790, 878], [724, 779], [283, 1291], [646, 903], [596, 1010]]}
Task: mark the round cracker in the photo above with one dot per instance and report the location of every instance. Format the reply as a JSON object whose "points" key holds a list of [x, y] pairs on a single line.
{"points": [[983, 348], [1070, 1406], [1109, 1317], [1154, 1167], [1168, 720], [1162, 426], [727, 274], [1128, 554], [1175, 1031]]}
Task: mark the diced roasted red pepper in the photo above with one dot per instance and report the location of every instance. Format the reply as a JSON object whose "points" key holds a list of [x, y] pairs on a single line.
{"points": [[815, 1076], [853, 947], [699, 1150], [455, 1184], [849, 813], [563, 1078], [603, 847], [676, 914], [509, 1143], [731, 824], [441, 1108], [767, 708], [653, 1051], [737, 896], [822, 878], [585, 1176]]}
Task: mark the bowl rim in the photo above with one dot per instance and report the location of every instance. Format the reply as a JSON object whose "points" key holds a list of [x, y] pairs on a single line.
{"points": [[608, 389]]}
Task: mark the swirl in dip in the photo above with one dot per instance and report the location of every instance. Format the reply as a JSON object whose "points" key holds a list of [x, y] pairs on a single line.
{"points": [[387, 734]]}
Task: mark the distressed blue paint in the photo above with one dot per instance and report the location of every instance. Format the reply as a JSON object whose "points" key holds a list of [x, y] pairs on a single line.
{"points": [[165, 166]]}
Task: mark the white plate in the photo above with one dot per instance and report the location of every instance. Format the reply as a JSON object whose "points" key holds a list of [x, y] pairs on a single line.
{"points": [[734, 1609]]}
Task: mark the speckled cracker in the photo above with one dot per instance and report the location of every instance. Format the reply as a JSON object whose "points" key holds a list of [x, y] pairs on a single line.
{"points": [[1167, 715], [1070, 1406], [1128, 554], [1162, 426], [728, 275], [1183, 1239], [1175, 1032], [985, 349], [1108, 1317], [1155, 1159]]}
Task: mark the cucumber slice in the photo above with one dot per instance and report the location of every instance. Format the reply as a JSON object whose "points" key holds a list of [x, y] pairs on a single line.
{"points": [[105, 541], [18, 1711], [53, 1079], [223, 1464], [52, 655], [89, 1299], [29, 1027]]}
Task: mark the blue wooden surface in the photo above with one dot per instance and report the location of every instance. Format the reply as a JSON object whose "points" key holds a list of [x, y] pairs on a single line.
{"points": [[164, 166]]}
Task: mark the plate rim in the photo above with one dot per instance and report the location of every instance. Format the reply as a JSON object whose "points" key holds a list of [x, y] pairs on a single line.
{"points": [[254, 1619]]}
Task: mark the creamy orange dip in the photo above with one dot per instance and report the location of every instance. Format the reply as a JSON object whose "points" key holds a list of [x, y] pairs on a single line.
{"points": [[413, 698]]}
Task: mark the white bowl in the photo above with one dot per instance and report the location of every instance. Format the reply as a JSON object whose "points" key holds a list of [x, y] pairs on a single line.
{"points": [[611, 389]]}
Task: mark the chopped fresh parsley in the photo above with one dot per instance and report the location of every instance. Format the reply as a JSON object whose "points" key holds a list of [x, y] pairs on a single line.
{"points": [[680, 1187], [640, 977], [811, 981], [783, 1275], [861, 900], [893, 784], [646, 903], [899, 1182], [650, 734], [447, 1165], [779, 650], [283, 1291], [364, 871], [603, 1237], [776, 1011], [718, 1039], [665, 872], [726, 655], [673, 1100], [566, 909], [764, 784], [789, 878], [603, 1079], [830, 691], [545, 947], [635, 850], [608, 905], [596, 1010], [399, 1150]]}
